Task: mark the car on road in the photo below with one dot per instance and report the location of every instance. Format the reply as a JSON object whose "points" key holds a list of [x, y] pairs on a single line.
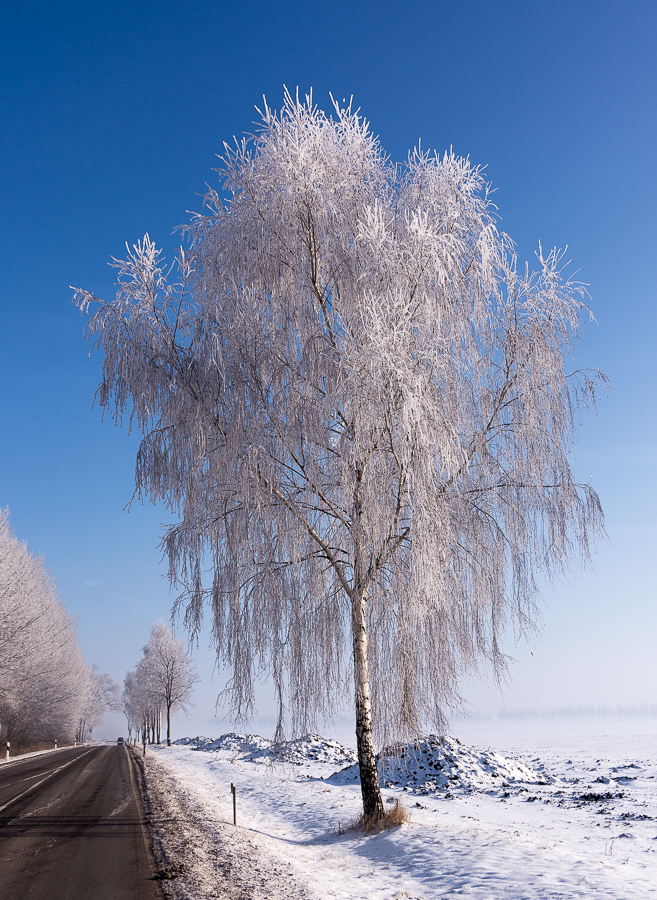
{"points": [[120, 741]]}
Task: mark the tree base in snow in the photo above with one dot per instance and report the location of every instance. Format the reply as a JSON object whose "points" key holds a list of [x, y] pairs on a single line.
{"points": [[393, 817]]}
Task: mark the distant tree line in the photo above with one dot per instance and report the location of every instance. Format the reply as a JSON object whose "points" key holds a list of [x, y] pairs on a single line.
{"points": [[160, 685], [47, 690]]}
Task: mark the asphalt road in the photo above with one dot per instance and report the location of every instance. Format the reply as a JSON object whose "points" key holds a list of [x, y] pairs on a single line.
{"points": [[72, 827]]}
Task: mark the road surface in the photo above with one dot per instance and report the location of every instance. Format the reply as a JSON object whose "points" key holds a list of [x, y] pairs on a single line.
{"points": [[72, 827]]}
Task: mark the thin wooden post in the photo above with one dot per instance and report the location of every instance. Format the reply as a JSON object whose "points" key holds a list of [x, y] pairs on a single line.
{"points": [[234, 793]]}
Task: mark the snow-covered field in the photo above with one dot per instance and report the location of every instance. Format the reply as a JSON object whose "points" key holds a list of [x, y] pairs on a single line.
{"points": [[560, 818]]}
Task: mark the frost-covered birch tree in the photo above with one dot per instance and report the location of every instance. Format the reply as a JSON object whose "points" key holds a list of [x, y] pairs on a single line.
{"points": [[162, 680], [171, 673], [362, 415], [140, 707]]}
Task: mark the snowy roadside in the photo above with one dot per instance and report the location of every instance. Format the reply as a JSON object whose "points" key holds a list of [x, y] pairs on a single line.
{"points": [[199, 854], [568, 823]]}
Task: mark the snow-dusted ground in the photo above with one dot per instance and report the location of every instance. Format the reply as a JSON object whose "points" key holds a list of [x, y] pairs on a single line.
{"points": [[561, 818]]}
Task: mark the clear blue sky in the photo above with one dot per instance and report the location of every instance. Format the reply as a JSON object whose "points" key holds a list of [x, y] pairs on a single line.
{"points": [[111, 117]]}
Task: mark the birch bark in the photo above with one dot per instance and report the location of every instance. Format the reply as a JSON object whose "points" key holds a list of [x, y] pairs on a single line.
{"points": [[369, 777]]}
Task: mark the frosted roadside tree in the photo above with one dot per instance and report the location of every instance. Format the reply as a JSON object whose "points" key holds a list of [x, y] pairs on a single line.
{"points": [[45, 684], [27, 600], [146, 701], [162, 680], [361, 413], [137, 703], [131, 705], [171, 672], [102, 694]]}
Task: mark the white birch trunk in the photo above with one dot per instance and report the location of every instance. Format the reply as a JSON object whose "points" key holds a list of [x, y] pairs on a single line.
{"points": [[369, 777]]}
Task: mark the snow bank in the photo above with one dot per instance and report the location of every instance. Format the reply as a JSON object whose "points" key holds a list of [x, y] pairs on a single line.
{"points": [[435, 764], [233, 743], [309, 749], [442, 764]]}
